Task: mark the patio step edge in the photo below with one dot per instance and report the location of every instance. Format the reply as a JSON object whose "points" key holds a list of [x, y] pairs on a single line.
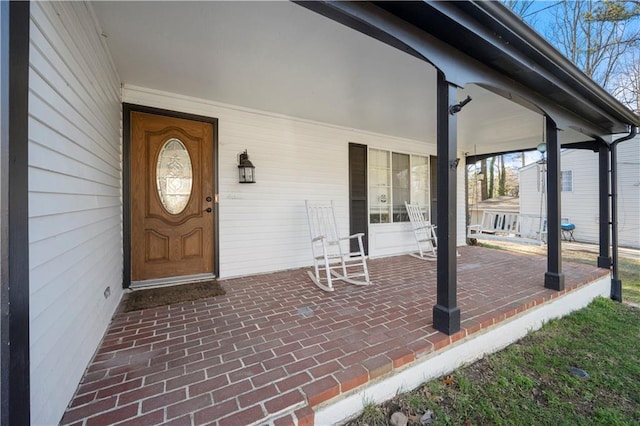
{"points": [[470, 348]]}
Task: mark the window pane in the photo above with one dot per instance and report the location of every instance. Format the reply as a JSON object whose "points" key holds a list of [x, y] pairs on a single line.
{"points": [[420, 182], [566, 181], [401, 187], [379, 187]]}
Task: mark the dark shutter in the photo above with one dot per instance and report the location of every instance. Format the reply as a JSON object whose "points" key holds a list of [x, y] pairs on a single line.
{"points": [[358, 194]]}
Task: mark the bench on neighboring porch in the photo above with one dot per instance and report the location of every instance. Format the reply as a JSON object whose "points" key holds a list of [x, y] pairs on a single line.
{"points": [[505, 226]]}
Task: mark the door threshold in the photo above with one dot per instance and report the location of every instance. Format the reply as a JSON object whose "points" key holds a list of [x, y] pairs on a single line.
{"points": [[163, 282]]}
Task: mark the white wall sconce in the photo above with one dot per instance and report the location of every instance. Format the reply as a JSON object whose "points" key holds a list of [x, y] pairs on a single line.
{"points": [[246, 170]]}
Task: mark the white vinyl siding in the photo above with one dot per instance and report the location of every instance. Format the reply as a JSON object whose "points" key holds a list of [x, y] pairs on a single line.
{"points": [[532, 199], [263, 226], [75, 231], [629, 193], [580, 204]]}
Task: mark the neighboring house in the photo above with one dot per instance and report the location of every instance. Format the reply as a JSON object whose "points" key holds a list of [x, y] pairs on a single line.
{"points": [[343, 101], [502, 204], [580, 193]]}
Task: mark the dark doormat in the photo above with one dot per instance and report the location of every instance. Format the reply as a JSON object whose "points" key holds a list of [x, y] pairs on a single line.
{"points": [[154, 297]]}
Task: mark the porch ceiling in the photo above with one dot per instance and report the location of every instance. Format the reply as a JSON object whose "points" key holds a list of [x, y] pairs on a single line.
{"points": [[283, 58]]}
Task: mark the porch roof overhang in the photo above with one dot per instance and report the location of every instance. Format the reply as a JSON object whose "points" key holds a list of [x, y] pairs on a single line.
{"points": [[371, 66], [489, 33]]}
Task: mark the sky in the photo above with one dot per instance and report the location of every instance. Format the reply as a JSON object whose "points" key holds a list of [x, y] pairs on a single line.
{"points": [[540, 16]]}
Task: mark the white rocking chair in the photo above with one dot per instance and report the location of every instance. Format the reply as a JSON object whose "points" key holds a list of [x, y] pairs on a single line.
{"points": [[424, 232], [331, 258]]}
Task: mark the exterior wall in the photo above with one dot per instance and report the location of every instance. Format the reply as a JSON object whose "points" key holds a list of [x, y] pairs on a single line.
{"points": [[530, 197], [263, 226], [629, 193], [580, 206], [74, 200]]}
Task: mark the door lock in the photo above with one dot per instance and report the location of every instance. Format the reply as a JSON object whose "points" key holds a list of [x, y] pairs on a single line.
{"points": [[209, 199]]}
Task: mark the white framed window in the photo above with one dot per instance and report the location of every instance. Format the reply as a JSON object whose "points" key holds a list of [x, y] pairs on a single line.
{"points": [[393, 179], [566, 181]]}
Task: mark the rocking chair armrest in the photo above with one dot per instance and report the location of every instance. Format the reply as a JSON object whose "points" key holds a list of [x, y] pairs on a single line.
{"points": [[359, 234]]}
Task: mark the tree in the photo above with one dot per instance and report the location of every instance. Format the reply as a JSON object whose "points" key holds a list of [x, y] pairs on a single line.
{"points": [[484, 192], [492, 164], [626, 85], [498, 174], [522, 8], [597, 36], [613, 11], [594, 36], [512, 186], [502, 178]]}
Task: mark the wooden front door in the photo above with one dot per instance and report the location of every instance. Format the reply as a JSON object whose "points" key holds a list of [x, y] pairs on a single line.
{"points": [[172, 197]]}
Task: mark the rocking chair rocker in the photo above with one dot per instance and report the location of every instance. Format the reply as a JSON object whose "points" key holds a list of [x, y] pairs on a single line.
{"points": [[331, 259], [424, 232]]}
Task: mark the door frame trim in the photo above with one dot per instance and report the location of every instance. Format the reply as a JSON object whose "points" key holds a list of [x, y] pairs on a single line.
{"points": [[127, 109], [15, 361]]}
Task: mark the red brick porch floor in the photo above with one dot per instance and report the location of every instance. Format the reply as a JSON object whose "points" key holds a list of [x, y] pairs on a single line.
{"points": [[275, 345]]}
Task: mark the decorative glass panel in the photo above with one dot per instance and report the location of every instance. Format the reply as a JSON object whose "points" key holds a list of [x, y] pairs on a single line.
{"points": [[174, 176]]}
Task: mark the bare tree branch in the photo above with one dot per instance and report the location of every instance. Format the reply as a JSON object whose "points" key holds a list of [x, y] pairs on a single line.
{"points": [[597, 36]]}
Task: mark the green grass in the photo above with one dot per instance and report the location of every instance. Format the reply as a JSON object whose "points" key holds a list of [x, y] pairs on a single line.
{"points": [[372, 415], [629, 273], [529, 382], [628, 269]]}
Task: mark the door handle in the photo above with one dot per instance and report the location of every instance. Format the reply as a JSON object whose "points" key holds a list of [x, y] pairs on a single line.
{"points": [[208, 210]]}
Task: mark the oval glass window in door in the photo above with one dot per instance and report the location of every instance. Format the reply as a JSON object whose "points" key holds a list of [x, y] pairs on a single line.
{"points": [[174, 176]]}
